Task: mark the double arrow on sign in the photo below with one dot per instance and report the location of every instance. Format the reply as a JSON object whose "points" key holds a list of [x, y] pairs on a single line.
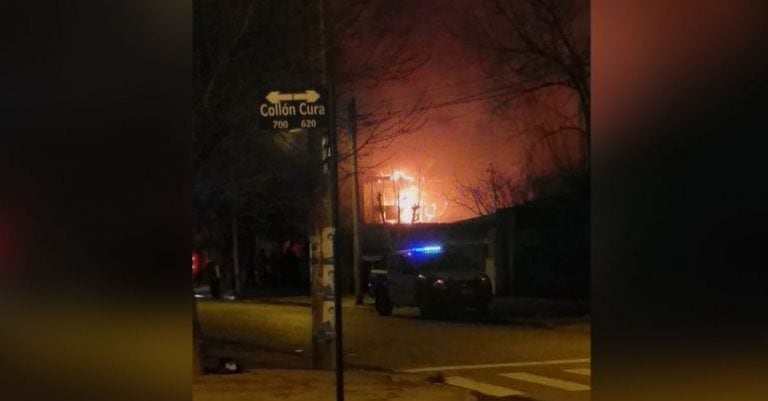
{"points": [[275, 97]]}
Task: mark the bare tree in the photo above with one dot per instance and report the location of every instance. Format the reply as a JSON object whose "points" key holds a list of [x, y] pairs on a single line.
{"points": [[493, 191], [249, 180], [538, 53], [235, 58], [376, 42], [394, 43], [536, 45], [498, 190]]}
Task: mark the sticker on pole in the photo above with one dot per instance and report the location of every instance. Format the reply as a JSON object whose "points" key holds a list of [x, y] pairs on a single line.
{"points": [[285, 110]]}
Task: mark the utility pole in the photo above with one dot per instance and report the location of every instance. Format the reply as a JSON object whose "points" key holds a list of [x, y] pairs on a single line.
{"points": [[337, 274], [326, 277], [235, 246], [356, 271], [235, 204], [320, 283], [197, 364]]}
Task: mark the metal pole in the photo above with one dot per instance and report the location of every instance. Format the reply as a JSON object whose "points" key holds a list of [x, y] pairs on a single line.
{"points": [[235, 245], [321, 352], [322, 260], [334, 187], [355, 206], [337, 273]]}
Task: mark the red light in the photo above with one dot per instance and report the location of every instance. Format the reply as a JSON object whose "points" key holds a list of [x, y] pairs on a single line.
{"points": [[195, 263], [439, 282]]}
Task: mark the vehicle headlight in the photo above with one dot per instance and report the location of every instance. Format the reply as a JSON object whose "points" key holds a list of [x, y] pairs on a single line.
{"points": [[438, 283]]}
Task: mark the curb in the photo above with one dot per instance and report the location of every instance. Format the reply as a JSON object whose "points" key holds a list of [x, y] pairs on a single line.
{"points": [[278, 302], [539, 320], [257, 301], [273, 301]]}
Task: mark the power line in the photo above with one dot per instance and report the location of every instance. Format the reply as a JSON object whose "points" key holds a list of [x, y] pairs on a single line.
{"points": [[441, 88], [486, 95]]}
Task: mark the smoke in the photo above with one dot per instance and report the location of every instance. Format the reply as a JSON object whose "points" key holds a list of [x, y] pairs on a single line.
{"points": [[462, 135]]}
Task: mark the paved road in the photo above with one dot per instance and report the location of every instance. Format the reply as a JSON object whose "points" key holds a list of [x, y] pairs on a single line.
{"points": [[494, 359]]}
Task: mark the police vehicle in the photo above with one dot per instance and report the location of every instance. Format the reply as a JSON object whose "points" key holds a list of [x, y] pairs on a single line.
{"points": [[433, 278]]}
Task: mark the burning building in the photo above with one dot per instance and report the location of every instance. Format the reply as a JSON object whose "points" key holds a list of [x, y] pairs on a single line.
{"points": [[396, 198]]}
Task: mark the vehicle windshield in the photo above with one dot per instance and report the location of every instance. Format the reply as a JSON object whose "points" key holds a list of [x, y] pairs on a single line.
{"points": [[441, 261]]}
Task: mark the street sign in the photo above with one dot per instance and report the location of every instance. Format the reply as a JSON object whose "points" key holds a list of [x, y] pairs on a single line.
{"points": [[284, 110]]}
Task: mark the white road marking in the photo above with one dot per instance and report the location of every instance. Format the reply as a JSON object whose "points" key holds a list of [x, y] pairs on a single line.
{"points": [[480, 387], [547, 381], [495, 365], [584, 371]]}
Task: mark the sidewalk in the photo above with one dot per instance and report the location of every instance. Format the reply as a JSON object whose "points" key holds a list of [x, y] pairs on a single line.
{"points": [[501, 307], [347, 301], [282, 296], [315, 385], [273, 375]]}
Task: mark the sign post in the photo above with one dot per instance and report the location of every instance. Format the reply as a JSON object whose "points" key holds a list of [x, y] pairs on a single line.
{"points": [[337, 276], [286, 109], [312, 108]]}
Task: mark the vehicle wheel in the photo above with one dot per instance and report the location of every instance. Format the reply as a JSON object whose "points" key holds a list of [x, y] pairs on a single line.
{"points": [[382, 303]]}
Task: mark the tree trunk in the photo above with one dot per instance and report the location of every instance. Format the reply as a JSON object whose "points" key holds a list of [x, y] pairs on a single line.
{"points": [[235, 254], [356, 273], [197, 365]]}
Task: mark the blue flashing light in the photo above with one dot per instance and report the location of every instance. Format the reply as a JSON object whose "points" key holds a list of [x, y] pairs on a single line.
{"points": [[427, 249]]}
